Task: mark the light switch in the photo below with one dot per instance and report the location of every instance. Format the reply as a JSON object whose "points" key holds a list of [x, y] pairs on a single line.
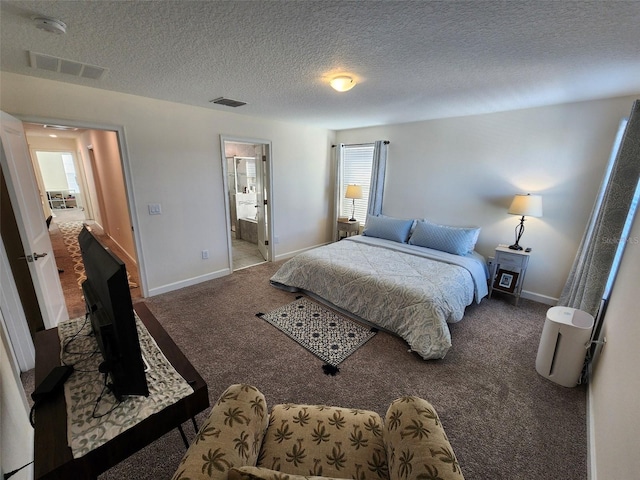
{"points": [[155, 209]]}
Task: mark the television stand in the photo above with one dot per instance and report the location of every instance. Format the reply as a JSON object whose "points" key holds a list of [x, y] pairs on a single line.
{"points": [[53, 458]]}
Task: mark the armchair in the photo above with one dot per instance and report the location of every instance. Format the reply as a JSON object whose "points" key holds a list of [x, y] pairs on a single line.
{"points": [[242, 441]]}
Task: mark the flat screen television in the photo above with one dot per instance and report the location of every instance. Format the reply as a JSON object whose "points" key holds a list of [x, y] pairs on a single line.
{"points": [[110, 310]]}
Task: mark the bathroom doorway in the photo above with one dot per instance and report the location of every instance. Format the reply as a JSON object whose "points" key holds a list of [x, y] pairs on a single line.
{"points": [[247, 174]]}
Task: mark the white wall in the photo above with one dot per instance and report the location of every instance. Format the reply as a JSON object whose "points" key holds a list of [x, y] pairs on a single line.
{"points": [[16, 434], [174, 156], [614, 391], [108, 178], [465, 171]]}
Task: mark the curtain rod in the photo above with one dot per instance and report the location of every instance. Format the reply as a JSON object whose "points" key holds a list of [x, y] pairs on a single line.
{"points": [[386, 142]]}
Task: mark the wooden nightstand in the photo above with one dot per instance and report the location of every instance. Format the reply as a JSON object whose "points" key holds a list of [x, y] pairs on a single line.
{"points": [[508, 270], [350, 228]]}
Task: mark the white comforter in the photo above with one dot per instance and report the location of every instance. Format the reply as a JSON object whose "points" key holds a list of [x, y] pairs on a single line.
{"points": [[411, 291]]}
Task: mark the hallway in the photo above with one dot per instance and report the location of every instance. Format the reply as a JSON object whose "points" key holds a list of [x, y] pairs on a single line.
{"points": [[63, 230]]}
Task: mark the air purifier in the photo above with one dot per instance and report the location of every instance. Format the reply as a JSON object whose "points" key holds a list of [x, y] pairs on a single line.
{"points": [[563, 345]]}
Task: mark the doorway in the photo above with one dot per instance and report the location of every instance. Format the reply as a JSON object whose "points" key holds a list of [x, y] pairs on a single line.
{"points": [[247, 180], [74, 167]]}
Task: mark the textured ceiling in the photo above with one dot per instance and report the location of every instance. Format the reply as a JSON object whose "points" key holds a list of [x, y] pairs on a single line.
{"points": [[412, 60]]}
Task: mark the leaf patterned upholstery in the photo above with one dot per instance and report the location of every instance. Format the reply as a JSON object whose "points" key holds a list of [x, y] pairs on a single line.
{"points": [[231, 436], [324, 441], [240, 441], [417, 446]]}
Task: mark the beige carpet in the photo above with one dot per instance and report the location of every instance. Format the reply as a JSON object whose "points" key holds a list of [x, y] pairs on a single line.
{"points": [[503, 419]]}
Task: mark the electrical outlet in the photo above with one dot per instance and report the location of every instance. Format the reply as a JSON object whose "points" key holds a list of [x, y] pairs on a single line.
{"points": [[205, 254]]}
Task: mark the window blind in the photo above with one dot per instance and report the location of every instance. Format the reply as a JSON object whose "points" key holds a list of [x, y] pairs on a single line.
{"points": [[356, 170]]}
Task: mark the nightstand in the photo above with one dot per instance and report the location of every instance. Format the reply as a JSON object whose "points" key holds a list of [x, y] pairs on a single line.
{"points": [[349, 228], [508, 270]]}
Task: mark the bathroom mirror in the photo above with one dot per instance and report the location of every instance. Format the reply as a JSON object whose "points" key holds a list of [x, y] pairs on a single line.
{"points": [[245, 168]]}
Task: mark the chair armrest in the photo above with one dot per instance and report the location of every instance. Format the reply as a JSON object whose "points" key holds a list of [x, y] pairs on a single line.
{"points": [[230, 437], [416, 443]]}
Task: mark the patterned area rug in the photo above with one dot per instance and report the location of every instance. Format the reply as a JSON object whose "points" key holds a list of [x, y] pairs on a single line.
{"points": [[70, 232], [324, 333]]}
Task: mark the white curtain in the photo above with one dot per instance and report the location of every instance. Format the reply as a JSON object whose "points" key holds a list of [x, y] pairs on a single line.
{"points": [[591, 268], [376, 188]]}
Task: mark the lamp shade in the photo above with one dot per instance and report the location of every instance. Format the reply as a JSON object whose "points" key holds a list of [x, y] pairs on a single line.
{"points": [[353, 191], [526, 205]]}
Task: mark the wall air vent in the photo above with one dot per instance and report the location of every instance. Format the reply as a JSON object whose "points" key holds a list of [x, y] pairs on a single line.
{"points": [[60, 65], [227, 102]]}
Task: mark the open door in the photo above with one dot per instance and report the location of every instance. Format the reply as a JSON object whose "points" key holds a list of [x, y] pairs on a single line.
{"points": [[26, 202], [261, 188], [261, 202]]}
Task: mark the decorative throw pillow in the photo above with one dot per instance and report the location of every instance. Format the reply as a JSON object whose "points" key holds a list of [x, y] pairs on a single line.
{"points": [[389, 228], [456, 240]]}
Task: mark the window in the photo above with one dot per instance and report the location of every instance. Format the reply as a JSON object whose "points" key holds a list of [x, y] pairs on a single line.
{"points": [[356, 170], [70, 172], [624, 236]]}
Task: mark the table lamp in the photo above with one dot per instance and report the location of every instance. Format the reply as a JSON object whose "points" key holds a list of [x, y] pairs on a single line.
{"points": [[526, 205], [353, 192]]}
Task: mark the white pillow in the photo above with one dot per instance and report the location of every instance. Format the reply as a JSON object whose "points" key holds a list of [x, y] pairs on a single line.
{"points": [[456, 240]]}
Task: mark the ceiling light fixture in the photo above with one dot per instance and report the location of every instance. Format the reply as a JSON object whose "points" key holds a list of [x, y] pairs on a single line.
{"points": [[51, 25], [342, 83]]}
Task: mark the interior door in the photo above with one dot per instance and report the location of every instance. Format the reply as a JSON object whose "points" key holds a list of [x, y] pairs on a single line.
{"points": [[25, 198], [261, 206]]}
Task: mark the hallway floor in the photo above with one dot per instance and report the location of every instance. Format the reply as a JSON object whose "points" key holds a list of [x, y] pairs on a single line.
{"points": [[64, 259]]}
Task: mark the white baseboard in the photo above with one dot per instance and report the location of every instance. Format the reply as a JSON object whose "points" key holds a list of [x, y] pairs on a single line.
{"points": [[536, 297], [188, 282], [591, 439], [210, 276]]}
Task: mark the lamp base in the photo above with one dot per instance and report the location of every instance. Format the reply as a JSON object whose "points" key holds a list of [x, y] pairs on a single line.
{"points": [[515, 246], [352, 219]]}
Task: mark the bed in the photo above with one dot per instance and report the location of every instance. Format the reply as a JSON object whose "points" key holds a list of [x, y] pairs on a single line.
{"points": [[393, 283]]}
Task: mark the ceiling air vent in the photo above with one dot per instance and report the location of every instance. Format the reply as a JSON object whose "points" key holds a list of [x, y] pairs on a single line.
{"points": [[60, 65], [227, 102]]}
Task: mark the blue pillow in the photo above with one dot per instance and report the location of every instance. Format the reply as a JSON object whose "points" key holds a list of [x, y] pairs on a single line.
{"points": [[388, 228], [456, 240]]}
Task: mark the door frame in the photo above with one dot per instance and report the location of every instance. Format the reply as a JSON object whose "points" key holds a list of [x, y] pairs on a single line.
{"points": [[269, 185], [126, 171]]}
